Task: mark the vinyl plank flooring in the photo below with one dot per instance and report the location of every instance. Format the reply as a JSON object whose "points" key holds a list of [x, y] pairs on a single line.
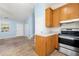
{"points": [[20, 47]]}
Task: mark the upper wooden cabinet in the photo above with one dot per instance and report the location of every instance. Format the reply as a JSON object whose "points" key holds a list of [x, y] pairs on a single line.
{"points": [[52, 17], [49, 17], [56, 18], [69, 11]]}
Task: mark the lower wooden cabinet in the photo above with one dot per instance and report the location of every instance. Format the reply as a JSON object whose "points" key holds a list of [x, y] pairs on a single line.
{"points": [[40, 45], [55, 37], [49, 45], [45, 45]]}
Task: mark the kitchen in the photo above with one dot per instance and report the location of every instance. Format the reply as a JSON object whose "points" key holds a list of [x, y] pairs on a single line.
{"points": [[60, 30]]}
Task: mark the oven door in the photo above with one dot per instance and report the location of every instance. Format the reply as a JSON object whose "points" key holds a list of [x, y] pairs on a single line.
{"points": [[74, 42]]}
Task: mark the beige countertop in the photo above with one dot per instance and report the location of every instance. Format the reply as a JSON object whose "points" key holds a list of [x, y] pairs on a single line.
{"points": [[45, 35]]}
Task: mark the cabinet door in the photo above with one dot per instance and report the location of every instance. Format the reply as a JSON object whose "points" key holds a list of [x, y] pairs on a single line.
{"points": [[52, 43], [73, 10], [40, 46], [69, 11], [56, 18], [55, 37], [48, 45], [64, 13], [48, 17]]}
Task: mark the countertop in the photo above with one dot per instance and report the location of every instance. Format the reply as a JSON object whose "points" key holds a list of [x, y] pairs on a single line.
{"points": [[45, 35]]}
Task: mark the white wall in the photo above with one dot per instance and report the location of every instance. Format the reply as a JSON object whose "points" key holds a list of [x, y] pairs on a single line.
{"points": [[39, 18]]}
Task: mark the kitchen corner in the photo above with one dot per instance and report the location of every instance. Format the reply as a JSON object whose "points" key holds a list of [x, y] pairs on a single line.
{"points": [[46, 42], [49, 25]]}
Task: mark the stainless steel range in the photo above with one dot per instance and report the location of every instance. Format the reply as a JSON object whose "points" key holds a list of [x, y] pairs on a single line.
{"points": [[69, 41]]}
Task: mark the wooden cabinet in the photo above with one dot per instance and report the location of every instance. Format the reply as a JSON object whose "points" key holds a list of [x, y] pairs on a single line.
{"points": [[55, 37], [49, 45], [40, 46], [64, 13], [56, 18], [49, 17], [69, 11], [44, 45], [52, 17]]}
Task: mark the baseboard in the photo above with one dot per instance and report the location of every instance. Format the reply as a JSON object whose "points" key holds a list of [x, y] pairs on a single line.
{"points": [[13, 37]]}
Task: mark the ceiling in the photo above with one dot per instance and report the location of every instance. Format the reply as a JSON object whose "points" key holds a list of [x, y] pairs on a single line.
{"points": [[55, 5], [17, 11], [20, 11]]}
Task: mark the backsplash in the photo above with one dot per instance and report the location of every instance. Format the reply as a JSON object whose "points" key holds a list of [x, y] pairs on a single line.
{"points": [[70, 25], [51, 30]]}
